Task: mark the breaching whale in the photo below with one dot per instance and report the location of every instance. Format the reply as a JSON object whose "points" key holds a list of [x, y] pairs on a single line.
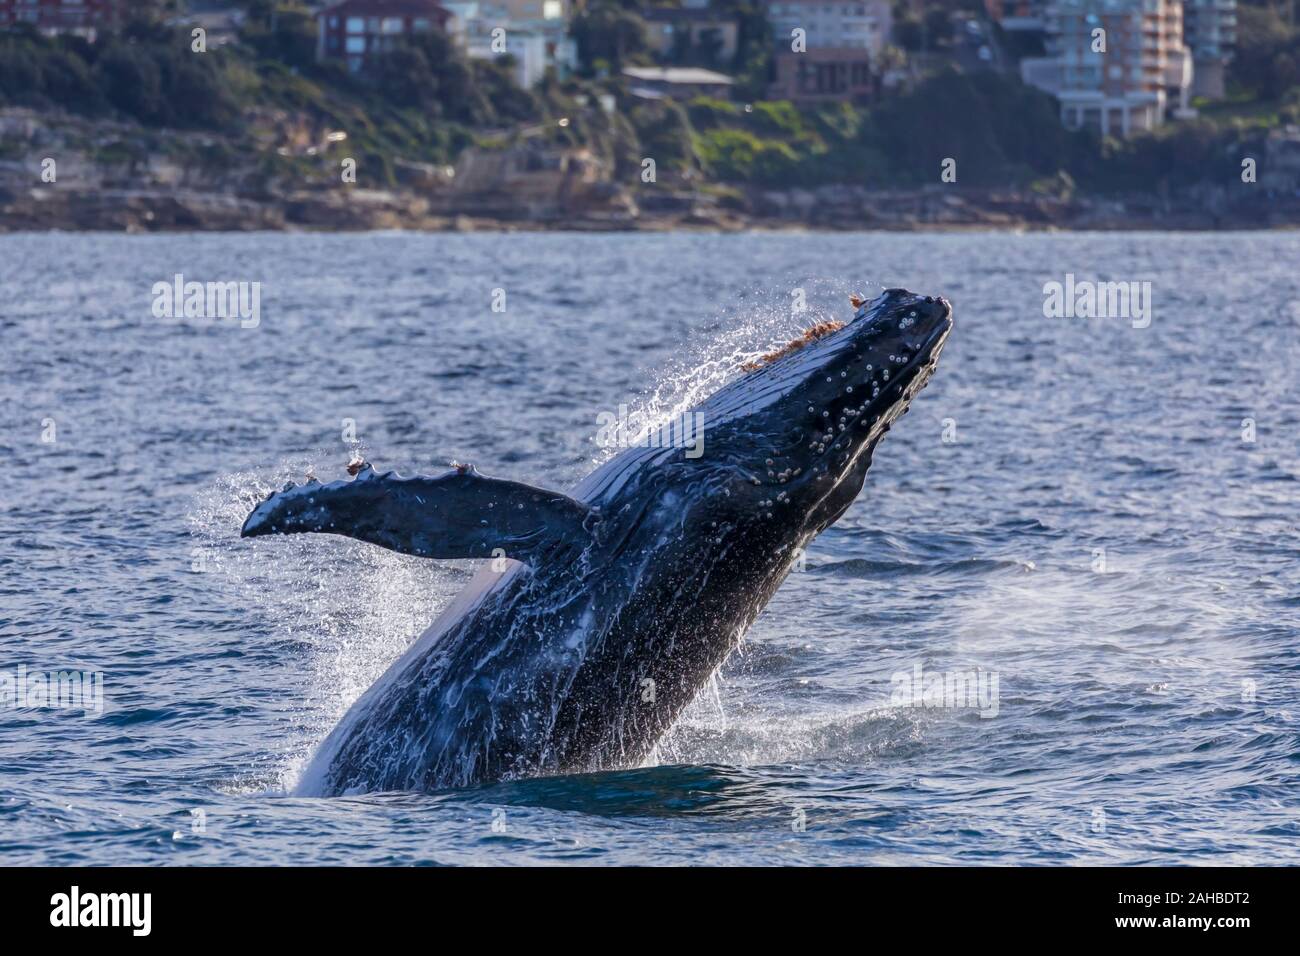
{"points": [[620, 599]]}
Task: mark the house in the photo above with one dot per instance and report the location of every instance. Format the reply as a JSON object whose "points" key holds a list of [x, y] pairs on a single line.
{"points": [[827, 51], [690, 34], [526, 48], [55, 16], [537, 45], [357, 30], [1017, 15], [822, 74], [520, 11], [678, 82], [220, 26]]}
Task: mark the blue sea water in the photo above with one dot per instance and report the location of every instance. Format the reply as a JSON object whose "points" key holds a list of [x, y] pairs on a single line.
{"points": [[1072, 507]]}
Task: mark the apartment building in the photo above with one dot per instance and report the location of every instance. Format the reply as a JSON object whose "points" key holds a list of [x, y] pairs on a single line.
{"points": [[1131, 76], [826, 51]]}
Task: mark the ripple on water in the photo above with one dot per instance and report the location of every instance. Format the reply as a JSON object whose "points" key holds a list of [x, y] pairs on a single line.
{"points": [[1069, 506]]}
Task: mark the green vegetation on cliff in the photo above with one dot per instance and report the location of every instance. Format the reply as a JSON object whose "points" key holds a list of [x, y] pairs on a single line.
{"points": [[267, 104]]}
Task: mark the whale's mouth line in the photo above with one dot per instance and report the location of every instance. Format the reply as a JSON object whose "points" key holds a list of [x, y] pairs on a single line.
{"points": [[918, 369], [926, 359], [934, 341]]}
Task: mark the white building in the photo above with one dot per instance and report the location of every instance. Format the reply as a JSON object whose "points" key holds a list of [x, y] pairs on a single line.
{"points": [[520, 11], [534, 32], [855, 25], [528, 50]]}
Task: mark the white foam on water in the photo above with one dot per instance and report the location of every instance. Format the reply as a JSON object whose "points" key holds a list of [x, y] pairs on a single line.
{"points": [[764, 736]]}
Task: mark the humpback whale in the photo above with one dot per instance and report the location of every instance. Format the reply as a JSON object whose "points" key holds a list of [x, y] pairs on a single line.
{"points": [[606, 609]]}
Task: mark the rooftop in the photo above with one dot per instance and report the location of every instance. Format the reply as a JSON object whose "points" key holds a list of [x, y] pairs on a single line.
{"points": [[699, 14], [677, 74], [389, 8]]}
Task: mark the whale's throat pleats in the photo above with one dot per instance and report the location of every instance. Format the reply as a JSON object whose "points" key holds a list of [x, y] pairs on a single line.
{"points": [[459, 514]]}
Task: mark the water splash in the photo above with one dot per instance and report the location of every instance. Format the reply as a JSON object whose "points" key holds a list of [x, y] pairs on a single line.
{"points": [[346, 609], [758, 323], [350, 609]]}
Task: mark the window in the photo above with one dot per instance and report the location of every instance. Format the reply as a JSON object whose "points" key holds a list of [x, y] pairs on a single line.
{"points": [[420, 23], [356, 25], [392, 25], [552, 9], [356, 44]]}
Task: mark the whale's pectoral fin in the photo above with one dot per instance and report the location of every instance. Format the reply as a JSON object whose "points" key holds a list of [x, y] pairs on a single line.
{"points": [[460, 514]]}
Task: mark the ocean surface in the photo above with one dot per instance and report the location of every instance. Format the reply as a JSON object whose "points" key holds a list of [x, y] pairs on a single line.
{"points": [[1096, 523]]}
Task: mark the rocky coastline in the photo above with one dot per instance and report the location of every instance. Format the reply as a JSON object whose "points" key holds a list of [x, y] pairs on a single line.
{"points": [[43, 209], [106, 177]]}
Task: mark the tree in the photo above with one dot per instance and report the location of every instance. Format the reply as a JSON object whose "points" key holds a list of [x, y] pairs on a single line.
{"points": [[1267, 51], [132, 83], [910, 34], [938, 26], [404, 78], [664, 130], [20, 70], [999, 130], [282, 32], [606, 31], [752, 65]]}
